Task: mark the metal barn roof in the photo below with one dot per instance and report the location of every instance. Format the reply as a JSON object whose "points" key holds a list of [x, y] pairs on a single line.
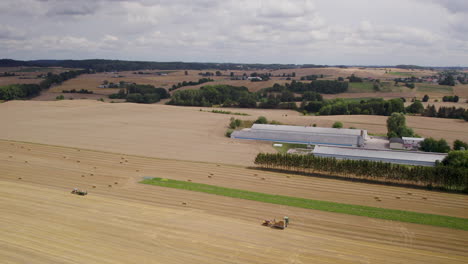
{"points": [[396, 140], [296, 137], [393, 156], [309, 129], [412, 138]]}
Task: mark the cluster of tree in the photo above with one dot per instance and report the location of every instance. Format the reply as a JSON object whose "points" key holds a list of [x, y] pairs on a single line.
{"points": [[285, 99], [82, 91], [19, 91], [206, 73], [225, 95], [445, 177], [396, 126], [108, 84], [288, 75], [264, 76], [446, 112], [449, 98], [318, 86], [375, 106], [458, 145], [457, 159], [433, 145], [7, 74], [230, 96], [408, 82], [312, 77], [411, 79], [354, 78], [337, 124], [190, 83], [415, 108], [441, 145], [447, 80], [139, 93], [463, 79]]}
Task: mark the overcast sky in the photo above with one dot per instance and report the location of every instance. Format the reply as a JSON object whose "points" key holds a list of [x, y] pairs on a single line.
{"points": [[352, 32]]}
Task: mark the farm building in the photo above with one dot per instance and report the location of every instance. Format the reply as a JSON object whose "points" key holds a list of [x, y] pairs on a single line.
{"points": [[391, 156], [412, 142], [303, 135], [396, 143]]}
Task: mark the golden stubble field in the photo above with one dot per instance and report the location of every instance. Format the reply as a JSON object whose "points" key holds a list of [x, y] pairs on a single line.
{"points": [[176, 132], [121, 221], [149, 130]]}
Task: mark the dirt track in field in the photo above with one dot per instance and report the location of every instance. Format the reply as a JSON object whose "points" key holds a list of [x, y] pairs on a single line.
{"points": [[135, 223]]}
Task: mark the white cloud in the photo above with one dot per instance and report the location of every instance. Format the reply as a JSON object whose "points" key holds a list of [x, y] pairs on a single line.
{"points": [[274, 31]]}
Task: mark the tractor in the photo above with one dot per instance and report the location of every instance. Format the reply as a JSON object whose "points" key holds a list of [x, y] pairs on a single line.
{"points": [[79, 192]]}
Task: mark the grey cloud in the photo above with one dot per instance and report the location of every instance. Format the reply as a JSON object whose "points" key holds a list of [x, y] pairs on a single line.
{"points": [[299, 31], [7, 32], [454, 6]]}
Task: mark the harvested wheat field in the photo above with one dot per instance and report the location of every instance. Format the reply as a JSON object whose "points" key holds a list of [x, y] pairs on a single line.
{"points": [[175, 132], [149, 130], [121, 221]]}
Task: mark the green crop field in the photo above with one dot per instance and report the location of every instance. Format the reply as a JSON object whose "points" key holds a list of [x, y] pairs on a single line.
{"points": [[406, 74], [434, 88], [359, 210], [361, 87], [368, 87]]}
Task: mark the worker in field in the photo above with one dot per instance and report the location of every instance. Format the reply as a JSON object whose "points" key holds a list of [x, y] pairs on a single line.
{"points": [[286, 221]]}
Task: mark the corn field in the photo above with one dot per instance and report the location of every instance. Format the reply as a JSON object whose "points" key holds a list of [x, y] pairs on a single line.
{"points": [[444, 177]]}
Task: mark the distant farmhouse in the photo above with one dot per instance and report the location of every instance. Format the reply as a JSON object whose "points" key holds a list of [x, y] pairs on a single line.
{"points": [[303, 135], [412, 142]]}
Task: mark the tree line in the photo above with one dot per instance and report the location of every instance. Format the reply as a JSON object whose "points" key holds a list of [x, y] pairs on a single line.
{"points": [[225, 95], [446, 112], [444, 177], [190, 83], [24, 91], [235, 96], [374, 106], [81, 91], [140, 93]]}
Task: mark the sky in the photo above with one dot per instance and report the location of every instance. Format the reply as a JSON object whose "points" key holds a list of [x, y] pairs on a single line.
{"points": [[331, 32]]}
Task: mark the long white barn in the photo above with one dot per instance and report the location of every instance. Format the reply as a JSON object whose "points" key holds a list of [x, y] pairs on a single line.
{"points": [[303, 135], [391, 156]]}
